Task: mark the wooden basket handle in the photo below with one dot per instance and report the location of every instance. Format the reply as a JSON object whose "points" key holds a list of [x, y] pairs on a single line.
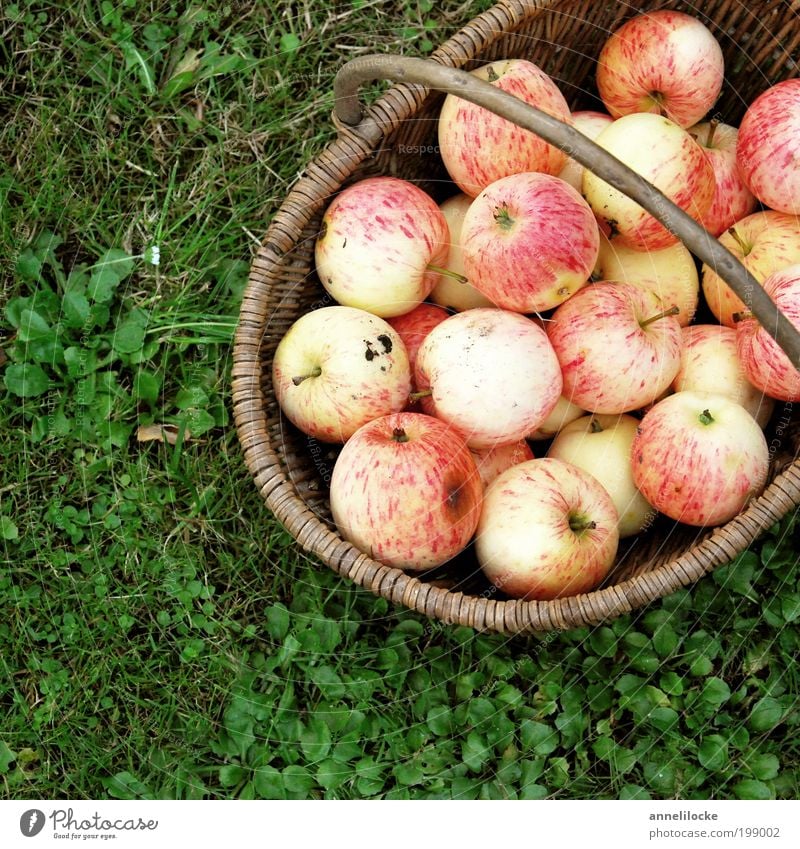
{"points": [[698, 240]]}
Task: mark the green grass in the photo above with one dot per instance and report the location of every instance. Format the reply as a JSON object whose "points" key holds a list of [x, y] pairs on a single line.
{"points": [[162, 637]]}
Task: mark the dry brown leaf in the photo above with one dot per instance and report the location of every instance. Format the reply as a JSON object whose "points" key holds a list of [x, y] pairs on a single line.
{"points": [[161, 433]]}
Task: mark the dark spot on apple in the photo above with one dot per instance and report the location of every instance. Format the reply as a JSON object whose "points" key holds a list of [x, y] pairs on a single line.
{"points": [[386, 342], [344, 243], [369, 354], [322, 230], [456, 500], [640, 458]]}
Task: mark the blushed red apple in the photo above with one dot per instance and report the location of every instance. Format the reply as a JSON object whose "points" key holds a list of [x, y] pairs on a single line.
{"points": [[479, 147], [380, 246], [406, 491], [547, 530], [765, 364], [732, 199], [618, 347], [699, 458], [530, 241], [768, 150], [662, 61]]}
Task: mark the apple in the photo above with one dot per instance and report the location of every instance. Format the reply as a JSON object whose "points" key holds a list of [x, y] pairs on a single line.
{"points": [[530, 241], [618, 347], [699, 458], [664, 62], [490, 373], [381, 246], [709, 363], [492, 462], [406, 491], [670, 273], [414, 326], [768, 151], [591, 124], [601, 446], [764, 242], [547, 530], [336, 369], [479, 147], [453, 290], [732, 199], [665, 155], [765, 364], [563, 413]]}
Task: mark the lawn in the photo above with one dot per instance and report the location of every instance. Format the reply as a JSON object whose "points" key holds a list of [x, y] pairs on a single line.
{"points": [[162, 637]]}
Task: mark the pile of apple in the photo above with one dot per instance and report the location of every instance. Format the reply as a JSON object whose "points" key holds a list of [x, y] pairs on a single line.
{"points": [[561, 310]]}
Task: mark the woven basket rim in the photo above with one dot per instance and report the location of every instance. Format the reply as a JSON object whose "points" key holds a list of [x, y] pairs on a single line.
{"points": [[315, 535]]}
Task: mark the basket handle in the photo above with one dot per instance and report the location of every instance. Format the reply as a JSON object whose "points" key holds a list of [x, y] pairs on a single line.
{"points": [[406, 69]]}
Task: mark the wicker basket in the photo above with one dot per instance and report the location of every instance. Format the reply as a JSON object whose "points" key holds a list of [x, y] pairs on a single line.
{"points": [[291, 470]]}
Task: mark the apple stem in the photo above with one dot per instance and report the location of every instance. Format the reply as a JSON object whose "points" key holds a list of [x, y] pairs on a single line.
{"points": [[504, 220], [743, 315], [671, 311], [744, 247], [581, 523], [423, 393], [706, 418], [447, 273], [658, 98], [712, 128], [595, 426], [399, 435], [316, 372]]}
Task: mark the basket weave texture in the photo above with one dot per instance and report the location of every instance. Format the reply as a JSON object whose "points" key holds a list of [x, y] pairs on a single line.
{"points": [[398, 137]]}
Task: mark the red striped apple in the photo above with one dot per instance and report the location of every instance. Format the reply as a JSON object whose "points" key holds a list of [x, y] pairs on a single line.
{"points": [[768, 150], [764, 242], [669, 273], [530, 241], [732, 199], [492, 462], [664, 62], [709, 363], [336, 369], [764, 363], [699, 458], [591, 124], [453, 290], [665, 155], [619, 349], [406, 491], [381, 245], [491, 374], [479, 147], [547, 530], [601, 446]]}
